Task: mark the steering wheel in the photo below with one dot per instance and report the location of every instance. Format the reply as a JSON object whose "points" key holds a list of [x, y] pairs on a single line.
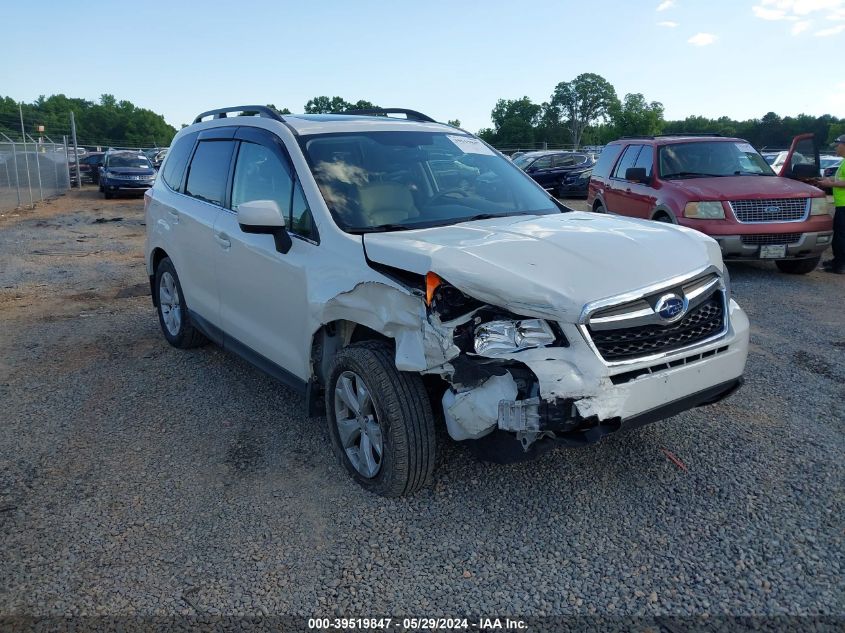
{"points": [[447, 193]]}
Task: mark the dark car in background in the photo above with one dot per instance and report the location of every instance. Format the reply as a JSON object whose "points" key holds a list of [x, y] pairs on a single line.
{"points": [[158, 158], [550, 169], [126, 172], [89, 167]]}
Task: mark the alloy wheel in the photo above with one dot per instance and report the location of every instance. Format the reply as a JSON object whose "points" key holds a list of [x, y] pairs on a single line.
{"points": [[169, 304], [357, 424]]}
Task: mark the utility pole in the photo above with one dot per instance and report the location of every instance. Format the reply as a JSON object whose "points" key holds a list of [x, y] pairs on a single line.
{"points": [[75, 150], [26, 158]]}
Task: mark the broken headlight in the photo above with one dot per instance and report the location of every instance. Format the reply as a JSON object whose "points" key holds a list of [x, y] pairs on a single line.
{"points": [[512, 336]]}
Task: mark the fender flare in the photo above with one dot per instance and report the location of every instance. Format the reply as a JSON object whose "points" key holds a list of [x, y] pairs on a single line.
{"points": [[663, 209]]}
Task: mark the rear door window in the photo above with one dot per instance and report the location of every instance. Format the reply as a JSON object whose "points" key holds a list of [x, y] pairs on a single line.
{"points": [[566, 160], [629, 159], [606, 160], [544, 162], [209, 171]]}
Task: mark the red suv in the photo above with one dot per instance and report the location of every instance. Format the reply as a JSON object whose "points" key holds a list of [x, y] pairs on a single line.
{"points": [[724, 188]]}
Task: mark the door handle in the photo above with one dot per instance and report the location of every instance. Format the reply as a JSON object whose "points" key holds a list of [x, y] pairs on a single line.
{"points": [[223, 240], [174, 215]]}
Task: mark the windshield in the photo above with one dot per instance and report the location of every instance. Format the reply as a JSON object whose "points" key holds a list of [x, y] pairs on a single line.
{"points": [[711, 159], [829, 162], [380, 181], [128, 160]]}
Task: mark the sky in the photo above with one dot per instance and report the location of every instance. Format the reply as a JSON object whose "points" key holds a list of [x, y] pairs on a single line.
{"points": [[448, 59]]}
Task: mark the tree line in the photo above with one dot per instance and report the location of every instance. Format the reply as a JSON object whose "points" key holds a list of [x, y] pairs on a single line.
{"points": [[587, 111], [584, 111], [108, 121]]}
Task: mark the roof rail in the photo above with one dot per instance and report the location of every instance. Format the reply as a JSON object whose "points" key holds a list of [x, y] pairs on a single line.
{"points": [[654, 136], [411, 115], [248, 110], [688, 134]]}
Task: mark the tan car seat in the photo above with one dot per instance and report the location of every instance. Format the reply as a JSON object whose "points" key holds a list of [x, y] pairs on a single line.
{"points": [[387, 203]]}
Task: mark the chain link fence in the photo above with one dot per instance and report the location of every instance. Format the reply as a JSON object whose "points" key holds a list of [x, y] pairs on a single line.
{"points": [[31, 171]]}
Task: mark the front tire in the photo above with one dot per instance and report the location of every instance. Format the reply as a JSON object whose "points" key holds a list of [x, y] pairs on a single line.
{"points": [[380, 420], [173, 313], [108, 194], [599, 208], [797, 266]]}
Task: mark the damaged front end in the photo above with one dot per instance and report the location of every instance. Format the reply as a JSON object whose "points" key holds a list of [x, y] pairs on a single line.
{"points": [[490, 391], [523, 383]]}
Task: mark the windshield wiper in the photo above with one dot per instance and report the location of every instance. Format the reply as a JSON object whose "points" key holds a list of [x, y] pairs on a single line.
{"points": [[482, 216], [382, 228], [750, 173], [692, 174]]}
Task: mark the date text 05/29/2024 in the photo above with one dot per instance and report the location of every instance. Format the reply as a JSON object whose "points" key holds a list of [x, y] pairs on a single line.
{"points": [[417, 624]]}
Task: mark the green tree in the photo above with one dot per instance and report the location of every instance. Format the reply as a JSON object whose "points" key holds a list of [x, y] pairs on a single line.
{"points": [[279, 110], [454, 122], [108, 122], [634, 116], [587, 98], [326, 105], [514, 121]]}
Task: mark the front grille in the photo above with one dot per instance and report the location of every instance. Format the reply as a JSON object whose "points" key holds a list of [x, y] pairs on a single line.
{"points": [[702, 322], [771, 238], [772, 210]]}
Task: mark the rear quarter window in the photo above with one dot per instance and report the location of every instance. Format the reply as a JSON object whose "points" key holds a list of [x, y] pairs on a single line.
{"points": [[177, 159], [606, 160]]}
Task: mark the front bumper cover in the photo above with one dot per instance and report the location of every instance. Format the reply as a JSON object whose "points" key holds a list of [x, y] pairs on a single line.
{"points": [[505, 448], [808, 245]]}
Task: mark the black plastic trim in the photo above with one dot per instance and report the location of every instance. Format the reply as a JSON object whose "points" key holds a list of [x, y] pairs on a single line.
{"points": [[231, 344], [412, 115], [260, 110]]}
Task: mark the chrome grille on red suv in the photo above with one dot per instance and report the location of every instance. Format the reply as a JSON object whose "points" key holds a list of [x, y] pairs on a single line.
{"points": [[771, 210]]}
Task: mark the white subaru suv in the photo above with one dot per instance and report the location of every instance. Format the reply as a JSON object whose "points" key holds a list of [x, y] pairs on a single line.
{"points": [[402, 274]]}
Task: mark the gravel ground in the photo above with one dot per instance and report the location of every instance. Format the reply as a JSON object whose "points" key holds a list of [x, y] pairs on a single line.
{"points": [[136, 479]]}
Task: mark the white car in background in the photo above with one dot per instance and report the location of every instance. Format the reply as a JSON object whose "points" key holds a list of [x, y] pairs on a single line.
{"points": [[352, 258]]}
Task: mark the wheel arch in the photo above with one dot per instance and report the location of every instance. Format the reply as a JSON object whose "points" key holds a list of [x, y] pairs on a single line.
{"points": [[156, 256], [663, 210], [326, 342]]}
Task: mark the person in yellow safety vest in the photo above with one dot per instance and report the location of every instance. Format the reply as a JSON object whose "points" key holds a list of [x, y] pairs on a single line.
{"points": [[837, 183]]}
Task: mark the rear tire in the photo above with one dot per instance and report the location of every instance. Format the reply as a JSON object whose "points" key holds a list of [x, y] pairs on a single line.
{"points": [[599, 208], [797, 266], [389, 407], [173, 315]]}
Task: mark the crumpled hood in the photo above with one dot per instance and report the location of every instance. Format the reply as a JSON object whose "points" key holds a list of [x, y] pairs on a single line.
{"points": [[547, 265], [733, 187]]}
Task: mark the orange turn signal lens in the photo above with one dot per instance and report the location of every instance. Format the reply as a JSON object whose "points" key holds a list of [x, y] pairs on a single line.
{"points": [[432, 281]]}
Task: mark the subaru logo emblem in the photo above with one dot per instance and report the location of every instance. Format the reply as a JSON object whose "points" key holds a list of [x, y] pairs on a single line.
{"points": [[771, 209], [671, 307]]}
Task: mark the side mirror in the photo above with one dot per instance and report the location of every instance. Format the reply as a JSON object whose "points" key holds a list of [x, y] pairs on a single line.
{"points": [[804, 171], [636, 174], [264, 216]]}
